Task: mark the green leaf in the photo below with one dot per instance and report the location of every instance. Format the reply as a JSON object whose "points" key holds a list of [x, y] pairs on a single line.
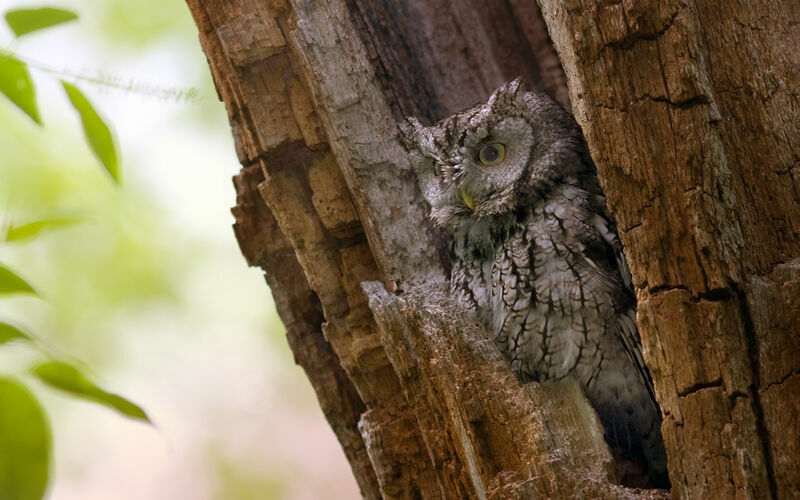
{"points": [[25, 443], [23, 21], [97, 132], [31, 229], [17, 85], [10, 283], [66, 377], [10, 333]]}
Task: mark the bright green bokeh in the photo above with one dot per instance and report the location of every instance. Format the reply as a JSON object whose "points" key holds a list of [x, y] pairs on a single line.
{"points": [[118, 257], [25, 432], [17, 86], [142, 285], [24, 21]]}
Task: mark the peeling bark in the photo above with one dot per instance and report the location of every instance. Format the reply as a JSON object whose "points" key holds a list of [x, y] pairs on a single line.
{"points": [[488, 436]]}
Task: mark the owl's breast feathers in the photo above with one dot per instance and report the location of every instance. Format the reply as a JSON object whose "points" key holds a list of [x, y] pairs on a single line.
{"points": [[551, 281]]}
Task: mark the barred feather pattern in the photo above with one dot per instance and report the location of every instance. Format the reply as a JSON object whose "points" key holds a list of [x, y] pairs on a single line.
{"points": [[556, 297], [536, 257]]}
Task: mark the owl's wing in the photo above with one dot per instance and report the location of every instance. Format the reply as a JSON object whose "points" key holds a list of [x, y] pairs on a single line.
{"points": [[606, 229], [626, 317], [629, 335]]}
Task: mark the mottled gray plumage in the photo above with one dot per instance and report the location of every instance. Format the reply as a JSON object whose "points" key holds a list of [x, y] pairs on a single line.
{"points": [[536, 257]]}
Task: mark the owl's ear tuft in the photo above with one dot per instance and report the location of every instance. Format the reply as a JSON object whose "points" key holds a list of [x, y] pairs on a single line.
{"points": [[506, 94], [511, 88], [410, 130]]}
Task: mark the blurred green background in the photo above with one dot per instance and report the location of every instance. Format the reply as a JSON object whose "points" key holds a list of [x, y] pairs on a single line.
{"points": [[150, 293]]}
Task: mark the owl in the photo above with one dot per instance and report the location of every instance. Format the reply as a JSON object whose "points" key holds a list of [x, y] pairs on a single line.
{"points": [[536, 258]]}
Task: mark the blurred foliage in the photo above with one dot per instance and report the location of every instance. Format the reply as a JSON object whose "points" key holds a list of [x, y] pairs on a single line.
{"points": [[69, 379], [24, 443], [97, 132], [137, 25], [24, 231], [11, 283], [115, 258], [10, 333], [17, 85], [142, 282], [235, 482], [24, 21], [24, 430]]}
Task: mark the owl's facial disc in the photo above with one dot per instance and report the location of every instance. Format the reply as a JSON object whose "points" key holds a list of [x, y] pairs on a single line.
{"points": [[492, 162], [468, 166]]}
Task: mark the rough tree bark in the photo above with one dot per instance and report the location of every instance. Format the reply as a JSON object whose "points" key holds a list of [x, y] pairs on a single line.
{"points": [[696, 142], [691, 112]]}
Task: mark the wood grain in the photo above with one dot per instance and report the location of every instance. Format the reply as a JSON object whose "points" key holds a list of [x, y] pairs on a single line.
{"points": [[691, 113]]}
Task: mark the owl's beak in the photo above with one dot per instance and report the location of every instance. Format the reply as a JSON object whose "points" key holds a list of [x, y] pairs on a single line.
{"points": [[467, 199]]}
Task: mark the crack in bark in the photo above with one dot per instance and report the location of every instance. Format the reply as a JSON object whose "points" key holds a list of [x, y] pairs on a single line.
{"points": [[781, 381], [711, 295], [755, 361], [714, 384], [631, 39]]}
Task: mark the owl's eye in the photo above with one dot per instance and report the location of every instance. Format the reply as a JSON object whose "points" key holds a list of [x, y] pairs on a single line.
{"points": [[437, 169], [492, 153]]}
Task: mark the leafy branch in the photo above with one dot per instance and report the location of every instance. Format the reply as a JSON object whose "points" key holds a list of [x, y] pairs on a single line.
{"points": [[17, 85], [25, 435]]}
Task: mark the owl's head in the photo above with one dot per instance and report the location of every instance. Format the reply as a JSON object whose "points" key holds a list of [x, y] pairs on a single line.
{"points": [[489, 159]]}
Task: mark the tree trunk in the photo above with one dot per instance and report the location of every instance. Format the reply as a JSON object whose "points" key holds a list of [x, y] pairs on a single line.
{"points": [[421, 400], [691, 112]]}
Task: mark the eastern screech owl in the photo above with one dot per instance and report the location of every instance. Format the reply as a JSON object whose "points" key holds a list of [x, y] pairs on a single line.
{"points": [[536, 257]]}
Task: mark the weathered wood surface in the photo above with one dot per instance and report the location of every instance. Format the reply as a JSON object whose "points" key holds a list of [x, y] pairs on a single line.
{"points": [[488, 436], [691, 111], [326, 201]]}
